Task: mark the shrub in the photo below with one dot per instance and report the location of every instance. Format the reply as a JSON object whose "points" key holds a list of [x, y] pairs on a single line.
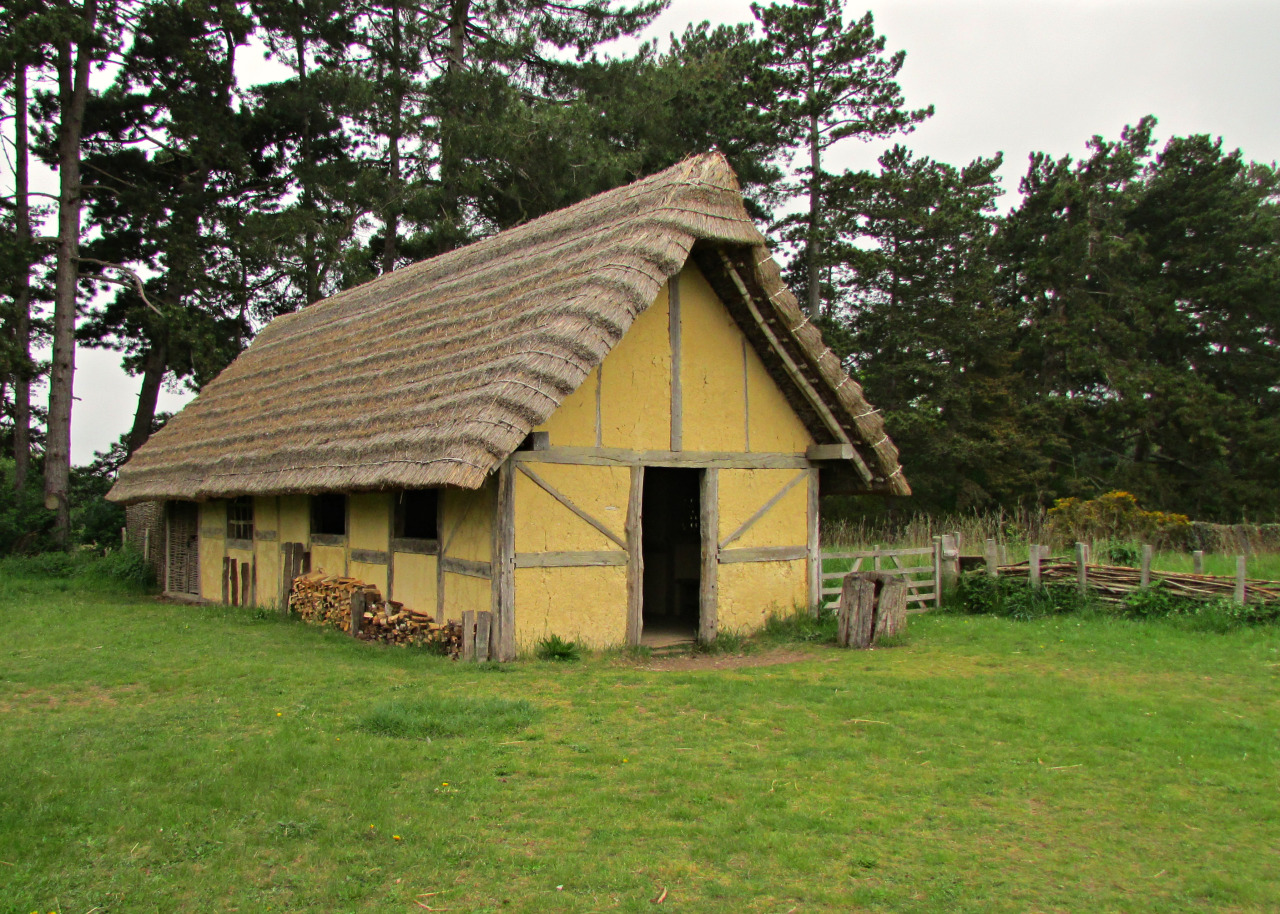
{"points": [[1120, 552], [1014, 598], [1114, 516], [557, 649], [800, 626]]}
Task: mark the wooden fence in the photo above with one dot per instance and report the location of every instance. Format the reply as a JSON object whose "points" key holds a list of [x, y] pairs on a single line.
{"points": [[924, 580], [1112, 583]]}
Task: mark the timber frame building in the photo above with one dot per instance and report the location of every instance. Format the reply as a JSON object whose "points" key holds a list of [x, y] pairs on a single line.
{"points": [[611, 420]]}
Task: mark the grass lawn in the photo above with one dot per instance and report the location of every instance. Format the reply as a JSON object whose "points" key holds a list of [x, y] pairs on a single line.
{"points": [[160, 758]]}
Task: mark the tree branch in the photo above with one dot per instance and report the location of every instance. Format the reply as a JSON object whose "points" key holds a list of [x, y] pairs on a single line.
{"points": [[137, 280]]}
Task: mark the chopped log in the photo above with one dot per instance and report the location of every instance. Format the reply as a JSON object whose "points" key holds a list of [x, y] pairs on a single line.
{"points": [[872, 605], [891, 611]]}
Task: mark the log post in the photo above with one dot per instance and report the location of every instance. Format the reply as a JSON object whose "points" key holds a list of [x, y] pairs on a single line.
{"points": [[1082, 568], [875, 558], [1241, 567], [357, 611], [992, 557], [1197, 562], [891, 611], [1033, 566], [937, 571], [469, 635], [950, 560], [857, 610], [1146, 566], [484, 627]]}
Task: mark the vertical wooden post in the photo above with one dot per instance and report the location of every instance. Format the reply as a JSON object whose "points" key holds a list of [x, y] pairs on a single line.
{"points": [[357, 612], [1197, 562], [677, 398], [469, 634], [708, 591], [286, 575], [503, 558], [484, 637], [1082, 567], [875, 557], [937, 571], [813, 546], [1033, 565], [440, 556], [1241, 567], [992, 557], [1146, 565], [635, 557], [226, 581], [166, 511], [1004, 553], [246, 583], [950, 560], [146, 543]]}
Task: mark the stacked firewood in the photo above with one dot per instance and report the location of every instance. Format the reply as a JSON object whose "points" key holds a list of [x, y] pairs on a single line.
{"points": [[323, 599]]}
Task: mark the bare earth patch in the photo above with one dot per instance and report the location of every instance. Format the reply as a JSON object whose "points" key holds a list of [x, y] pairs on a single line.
{"points": [[730, 661]]}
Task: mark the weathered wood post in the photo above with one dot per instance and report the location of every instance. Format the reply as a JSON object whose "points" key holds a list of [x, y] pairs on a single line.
{"points": [[1033, 565], [950, 560], [1197, 562], [875, 557], [873, 605], [1146, 566], [1241, 567], [992, 557], [469, 634], [937, 571], [484, 626], [1082, 568], [357, 611], [891, 610]]}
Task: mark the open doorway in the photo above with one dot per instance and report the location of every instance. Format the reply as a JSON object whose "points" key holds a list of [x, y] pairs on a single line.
{"points": [[671, 541]]}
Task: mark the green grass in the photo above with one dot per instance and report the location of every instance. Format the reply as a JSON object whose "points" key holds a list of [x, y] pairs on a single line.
{"points": [[161, 758]]}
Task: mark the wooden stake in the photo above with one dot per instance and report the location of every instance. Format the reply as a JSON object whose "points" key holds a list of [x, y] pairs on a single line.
{"points": [[1082, 567], [950, 560], [937, 571], [469, 634], [1241, 566], [1197, 562], [992, 557], [357, 612], [1033, 566], [484, 629], [1146, 566]]}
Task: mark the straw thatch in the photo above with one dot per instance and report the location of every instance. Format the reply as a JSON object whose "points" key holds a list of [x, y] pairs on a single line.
{"points": [[433, 374]]}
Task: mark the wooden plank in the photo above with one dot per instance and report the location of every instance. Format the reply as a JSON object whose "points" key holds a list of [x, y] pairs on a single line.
{"points": [[677, 394], [569, 559], [469, 634], [950, 561], [1145, 580], [235, 582], [370, 556], [841, 451], [1033, 565], [242, 545], [416, 546], [246, 584], [763, 554], [813, 545], [484, 633], [802, 476], [328, 539], [992, 557], [503, 593], [536, 441], [612, 457], [793, 370], [265, 536], [1241, 593], [286, 581], [635, 557], [1082, 568], [708, 589], [213, 533], [866, 554], [468, 567], [226, 581], [1197, 562], [937, 571], [564, 500], [746, 398]]}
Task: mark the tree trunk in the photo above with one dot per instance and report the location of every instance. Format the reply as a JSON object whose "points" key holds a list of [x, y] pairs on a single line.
{"points": [[815, 242], [450, 168], [73, 92], [153, 369], [310, 256], [391, 219], [22, 293]]}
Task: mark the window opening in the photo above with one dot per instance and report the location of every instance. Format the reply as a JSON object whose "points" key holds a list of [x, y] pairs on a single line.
{"points": [[416, 514], [240, 518], [329, 514]]}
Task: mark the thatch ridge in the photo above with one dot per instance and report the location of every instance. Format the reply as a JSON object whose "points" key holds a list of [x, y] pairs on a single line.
{"points": [[434, 373]]}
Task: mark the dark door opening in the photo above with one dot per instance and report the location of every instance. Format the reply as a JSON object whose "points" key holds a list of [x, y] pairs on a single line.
{"points": [[671, 541]]}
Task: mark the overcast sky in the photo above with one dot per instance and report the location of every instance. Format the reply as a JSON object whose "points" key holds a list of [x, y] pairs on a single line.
{"points": [[1014, 76]]}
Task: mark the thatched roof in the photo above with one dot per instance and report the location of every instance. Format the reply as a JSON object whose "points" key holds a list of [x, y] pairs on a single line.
{"points": [[433, 374]]}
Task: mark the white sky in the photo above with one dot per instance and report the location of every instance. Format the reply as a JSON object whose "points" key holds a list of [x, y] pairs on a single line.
{"points": [[1004, 75]]}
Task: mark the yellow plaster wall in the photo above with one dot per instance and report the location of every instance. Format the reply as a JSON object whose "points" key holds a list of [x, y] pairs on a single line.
{"points": [[295, 519], [370, 574], [711, 376], [468, 522], [369, 521], [266, 517], [749, 592], [581, 604], [329, 559], [635, 394], [573, 424], [414, 580], [774, 426], [543, 524], [744, 492], [213, 516], [463, 592]]}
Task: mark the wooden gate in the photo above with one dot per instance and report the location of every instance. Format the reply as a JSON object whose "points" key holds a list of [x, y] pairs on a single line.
{"points": [[182, 568], [920, 569]]}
